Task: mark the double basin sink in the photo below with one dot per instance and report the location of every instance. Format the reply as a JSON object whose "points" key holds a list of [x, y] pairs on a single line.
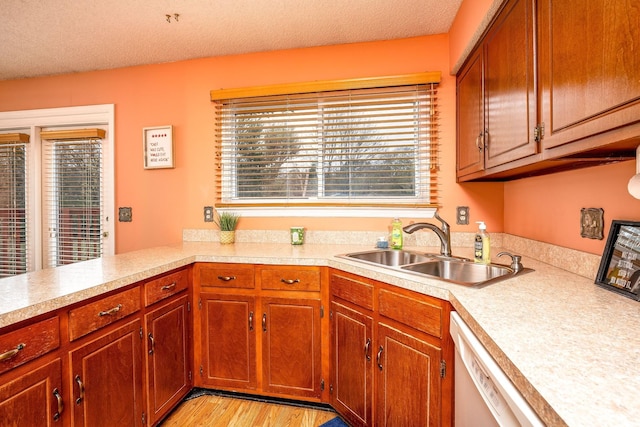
{"points": [[461, 271]]}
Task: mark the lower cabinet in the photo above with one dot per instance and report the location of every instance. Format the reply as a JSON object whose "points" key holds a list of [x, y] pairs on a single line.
{"points": [[34, 398], [106, 379], [168, 357], [389, 355]]}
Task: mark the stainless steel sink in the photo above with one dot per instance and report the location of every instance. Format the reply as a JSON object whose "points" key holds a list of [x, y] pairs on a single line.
{"points": [[390, 257], [461, 271]]}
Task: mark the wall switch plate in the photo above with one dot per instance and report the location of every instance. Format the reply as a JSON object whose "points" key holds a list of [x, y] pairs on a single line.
{"points": [[462, 215], [125, 214], [208, 214], [592, 223]]}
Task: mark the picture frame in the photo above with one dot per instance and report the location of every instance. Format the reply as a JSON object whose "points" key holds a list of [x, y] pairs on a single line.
{"points": [[620, 264], [158, 147]]}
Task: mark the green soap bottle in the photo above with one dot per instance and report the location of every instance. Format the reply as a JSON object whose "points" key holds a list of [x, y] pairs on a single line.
{"points": [[396, 234]]}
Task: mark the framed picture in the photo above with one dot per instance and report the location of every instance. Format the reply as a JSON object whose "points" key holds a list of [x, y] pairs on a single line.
{"points": [[158, 147], [620, 264]]}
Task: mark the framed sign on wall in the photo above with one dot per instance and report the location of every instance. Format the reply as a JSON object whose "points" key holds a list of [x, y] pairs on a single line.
{"points": [[620, 264], [158, 147]]}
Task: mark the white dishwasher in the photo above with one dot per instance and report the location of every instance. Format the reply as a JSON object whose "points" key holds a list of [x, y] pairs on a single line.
{"points": [[484, 396]]}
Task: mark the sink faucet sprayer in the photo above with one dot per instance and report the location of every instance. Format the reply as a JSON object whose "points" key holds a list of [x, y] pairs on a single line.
{"points": [[443, 233]]}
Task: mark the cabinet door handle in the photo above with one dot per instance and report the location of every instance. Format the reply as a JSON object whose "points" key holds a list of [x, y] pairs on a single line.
{"points": [[367, 349], [58, 396], [485, 139], [251, 320], [227, 278], [379, 357], [479, 141], [290, 281], [168, 287], [12, 353], [111, 311], [80, 388], [264, 322], [153, 343]]}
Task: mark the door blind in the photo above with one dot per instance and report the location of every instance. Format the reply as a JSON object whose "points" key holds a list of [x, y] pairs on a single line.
{"points": [[73, 199], [13, 205], [371, 146]]}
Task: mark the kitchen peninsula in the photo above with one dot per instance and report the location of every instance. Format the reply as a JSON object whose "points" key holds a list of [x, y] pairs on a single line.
{"points": [[564, 342]]}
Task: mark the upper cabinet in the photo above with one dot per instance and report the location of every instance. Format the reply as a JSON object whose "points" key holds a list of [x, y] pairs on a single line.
{"points": [[589, 53], [552, 85]]}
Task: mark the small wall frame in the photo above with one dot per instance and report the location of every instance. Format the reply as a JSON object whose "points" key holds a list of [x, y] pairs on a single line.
{"points": [[158, 147], [620, 264]]}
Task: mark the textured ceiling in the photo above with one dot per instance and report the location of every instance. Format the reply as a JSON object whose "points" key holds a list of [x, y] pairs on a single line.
{"points": [[45, 37]]}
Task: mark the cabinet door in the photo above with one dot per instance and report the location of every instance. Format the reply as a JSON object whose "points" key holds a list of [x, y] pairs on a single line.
{"points": [[509, 86], [352, 344], [291, 354], [168, 366], [228, 341], [470, 102], [33, 399], [408, 385], [589, 67], [106, 379]]}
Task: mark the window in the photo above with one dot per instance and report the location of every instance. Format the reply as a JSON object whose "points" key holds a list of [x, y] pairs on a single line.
{"points": [[371, 144], [56, 187]]}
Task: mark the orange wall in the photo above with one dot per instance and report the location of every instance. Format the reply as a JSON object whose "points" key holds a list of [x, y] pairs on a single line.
{"points": [[165, 201]]}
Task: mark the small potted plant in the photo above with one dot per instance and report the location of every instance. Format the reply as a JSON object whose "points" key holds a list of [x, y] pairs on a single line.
{"points": [[227, 221]]}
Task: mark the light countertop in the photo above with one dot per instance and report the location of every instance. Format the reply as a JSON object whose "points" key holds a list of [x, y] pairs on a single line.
{"points": [[571, 347]]}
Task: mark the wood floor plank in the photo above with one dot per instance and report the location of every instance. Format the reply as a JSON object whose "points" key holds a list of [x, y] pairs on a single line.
{"points": [[219, 411]]}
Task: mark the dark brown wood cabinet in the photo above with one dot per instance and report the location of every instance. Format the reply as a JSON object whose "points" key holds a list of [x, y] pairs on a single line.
{"points": [[390, 353], [168, 356], [496, 94], [589, 72], [33, 398], [106, 378]]}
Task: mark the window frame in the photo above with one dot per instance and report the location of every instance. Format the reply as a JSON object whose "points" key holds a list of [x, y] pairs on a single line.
{"points": [[326, 207]]}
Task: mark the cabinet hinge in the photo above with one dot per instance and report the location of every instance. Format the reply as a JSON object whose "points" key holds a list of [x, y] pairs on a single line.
{"points": [[538, 132], [322, 311], [330, 388], [443, 369], [144, 419], [141, 334], [188, 305], [201, 371], [331, 315], [322, 385], [199, 303], [190, 376]]}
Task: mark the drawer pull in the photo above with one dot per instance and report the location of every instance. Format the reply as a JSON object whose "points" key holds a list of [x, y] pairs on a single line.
{"points": [[168, 287], [264, 322], [80, 388], [153, 343], [11, 353], [111, 312], [58, 396], [251, 320], [227, 278], [379, 357], [290, 281]]}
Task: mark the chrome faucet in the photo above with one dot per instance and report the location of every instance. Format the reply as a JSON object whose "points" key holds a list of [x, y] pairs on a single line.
{"points": [[443, 233]]}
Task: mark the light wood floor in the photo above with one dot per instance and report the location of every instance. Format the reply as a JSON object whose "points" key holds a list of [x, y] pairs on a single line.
{"points": [[209, 411]]}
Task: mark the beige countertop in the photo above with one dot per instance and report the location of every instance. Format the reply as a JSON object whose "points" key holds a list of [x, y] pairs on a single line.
{"points": [[571, 347]]}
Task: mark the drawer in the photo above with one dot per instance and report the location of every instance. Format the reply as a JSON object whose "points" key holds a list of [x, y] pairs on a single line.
{"points": [[413, 312], [353, 290], [226, 275], [27, 343], [165, 286], [98, 314], [290, 278]]}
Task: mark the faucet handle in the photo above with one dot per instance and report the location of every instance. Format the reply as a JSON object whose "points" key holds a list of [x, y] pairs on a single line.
{"points": [[516, 265]]}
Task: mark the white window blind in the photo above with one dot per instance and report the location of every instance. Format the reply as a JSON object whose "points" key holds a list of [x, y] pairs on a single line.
{"points": [[371, 146], [73, 197], [13, 204]]}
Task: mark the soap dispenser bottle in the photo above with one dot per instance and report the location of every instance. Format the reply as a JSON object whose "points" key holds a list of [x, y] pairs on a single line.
{"points": [[482, 245], [396, 234]]}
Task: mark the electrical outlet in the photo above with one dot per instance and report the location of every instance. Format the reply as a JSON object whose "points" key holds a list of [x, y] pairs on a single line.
{"points": [[208, 214], [462, 215], [125, 214]]}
